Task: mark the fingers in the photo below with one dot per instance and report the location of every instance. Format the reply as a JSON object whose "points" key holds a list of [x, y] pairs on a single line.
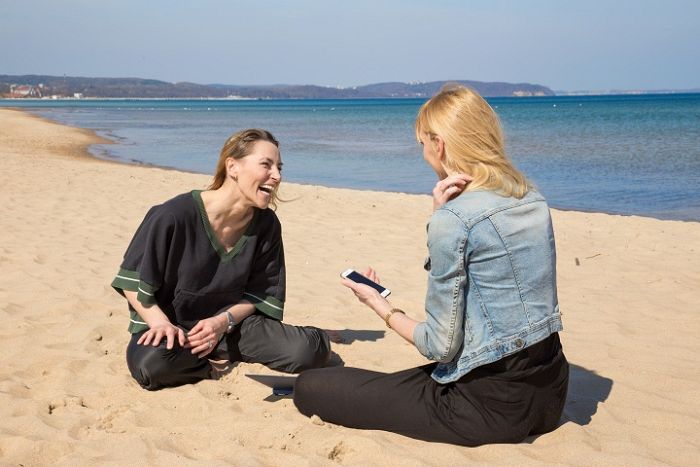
{"points": [[449, 187], [372, 275], [204, 348], [169, 340], [201, 339], [150, 337], [362, 291], [196, 329], [143, 338], [458, 180]]}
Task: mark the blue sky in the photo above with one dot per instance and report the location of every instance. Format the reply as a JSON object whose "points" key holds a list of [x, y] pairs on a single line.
{"points": [[566, 45]]}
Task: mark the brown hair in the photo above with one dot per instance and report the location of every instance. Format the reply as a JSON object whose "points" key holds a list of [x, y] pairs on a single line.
{"points": [[238, 146], [473, 140]]}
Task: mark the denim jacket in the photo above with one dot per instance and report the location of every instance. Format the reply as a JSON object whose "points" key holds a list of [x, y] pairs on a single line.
{"points": [[492, 281]]}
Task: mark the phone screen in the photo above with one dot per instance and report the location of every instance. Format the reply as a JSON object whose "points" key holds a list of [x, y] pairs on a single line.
{"points": [[359, 278]]}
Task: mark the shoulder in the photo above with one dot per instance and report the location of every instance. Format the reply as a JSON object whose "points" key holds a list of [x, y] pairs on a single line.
{"points": [[267, 221], [173, 211], [445, 226], [182, 202], [474, 206], [182, 206]]}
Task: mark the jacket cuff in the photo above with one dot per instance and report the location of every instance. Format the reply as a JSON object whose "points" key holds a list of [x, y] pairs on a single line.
{"points": [[420, 340]]}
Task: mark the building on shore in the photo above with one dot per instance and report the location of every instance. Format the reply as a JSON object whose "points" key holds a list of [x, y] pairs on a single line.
{"points": [[25, 90]]}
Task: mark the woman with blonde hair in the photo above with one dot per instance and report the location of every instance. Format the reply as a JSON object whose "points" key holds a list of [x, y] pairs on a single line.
{"points": [[204, 276], [492, 315]]}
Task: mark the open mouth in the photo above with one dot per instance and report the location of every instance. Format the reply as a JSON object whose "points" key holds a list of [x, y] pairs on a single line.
{"points": [[267, 189]]}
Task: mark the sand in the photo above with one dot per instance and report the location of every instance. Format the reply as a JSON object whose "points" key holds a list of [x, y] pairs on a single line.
{"points": [[629, 290]]}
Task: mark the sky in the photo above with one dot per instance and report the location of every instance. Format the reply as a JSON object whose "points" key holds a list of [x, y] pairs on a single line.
{"points": [[565, 45]]}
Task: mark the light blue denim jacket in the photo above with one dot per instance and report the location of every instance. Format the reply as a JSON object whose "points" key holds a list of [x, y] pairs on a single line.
{"points": [[492, 287]]}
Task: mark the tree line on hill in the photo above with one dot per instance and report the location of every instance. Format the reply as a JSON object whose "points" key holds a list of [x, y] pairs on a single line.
{"points": [[70, 86]]}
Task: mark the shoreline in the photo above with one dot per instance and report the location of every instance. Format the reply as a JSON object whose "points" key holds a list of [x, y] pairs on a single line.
{"points": [[687, 212], [107, 157], [562, 94], [628, 289]]}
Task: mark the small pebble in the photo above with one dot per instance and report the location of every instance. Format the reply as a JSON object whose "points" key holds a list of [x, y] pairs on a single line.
{"points": [[316, 420]]}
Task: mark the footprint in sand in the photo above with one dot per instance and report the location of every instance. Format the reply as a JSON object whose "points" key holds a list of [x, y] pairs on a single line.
{"points": [[338, 452], [12, 309]]}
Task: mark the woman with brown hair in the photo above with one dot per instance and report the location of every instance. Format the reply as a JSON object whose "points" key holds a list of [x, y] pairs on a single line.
{"points": [[204, 276], [492, 314]]}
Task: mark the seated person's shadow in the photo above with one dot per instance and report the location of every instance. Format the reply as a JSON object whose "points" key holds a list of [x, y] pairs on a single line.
{"points": [[586, 390], [347, 337]]}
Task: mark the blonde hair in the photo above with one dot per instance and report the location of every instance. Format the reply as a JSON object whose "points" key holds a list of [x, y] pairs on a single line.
{"points": [[238, 146], [473, 140]]}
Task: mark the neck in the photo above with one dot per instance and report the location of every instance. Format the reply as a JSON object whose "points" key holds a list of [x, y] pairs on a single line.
{"points": [[226, 205]]}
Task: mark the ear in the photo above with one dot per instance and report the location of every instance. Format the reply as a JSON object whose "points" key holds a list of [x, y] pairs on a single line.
{"points": [[232, 168], [439, 147]]}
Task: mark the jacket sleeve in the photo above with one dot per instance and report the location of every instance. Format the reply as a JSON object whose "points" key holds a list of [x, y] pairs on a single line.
{"points": [[441, 336]]}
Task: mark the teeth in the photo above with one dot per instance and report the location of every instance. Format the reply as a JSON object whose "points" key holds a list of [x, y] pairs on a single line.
{"points": [[266, 188]]}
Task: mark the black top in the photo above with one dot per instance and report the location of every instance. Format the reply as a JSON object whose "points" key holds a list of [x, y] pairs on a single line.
{"points": [[176, 261]]}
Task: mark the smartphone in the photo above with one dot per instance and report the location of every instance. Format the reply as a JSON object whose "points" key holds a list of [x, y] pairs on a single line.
{"points": [[282, 385], [360, 279]]}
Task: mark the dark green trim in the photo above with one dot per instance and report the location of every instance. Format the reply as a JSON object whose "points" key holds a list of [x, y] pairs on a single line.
{"points": [[126, 280], [136, 323], [266, 304], [129, 280], [223, 254], [146, 294]]}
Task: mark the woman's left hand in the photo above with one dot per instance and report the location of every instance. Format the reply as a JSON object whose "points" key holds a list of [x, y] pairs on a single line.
{"points": [[204, 336], [367, 294], [448, 188]]}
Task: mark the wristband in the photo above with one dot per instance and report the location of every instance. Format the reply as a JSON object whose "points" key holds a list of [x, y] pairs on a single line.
{"points": [[391, 312], [231, 322]]}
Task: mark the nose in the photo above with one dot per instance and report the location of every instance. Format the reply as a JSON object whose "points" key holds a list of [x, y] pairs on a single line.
{"points": [[276, 174]]}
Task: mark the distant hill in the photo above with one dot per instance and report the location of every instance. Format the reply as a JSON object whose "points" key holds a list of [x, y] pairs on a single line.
{"points": [[68, 86], [488, 89]]}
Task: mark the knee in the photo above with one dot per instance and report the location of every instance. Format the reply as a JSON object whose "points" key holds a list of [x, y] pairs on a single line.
{"points": [[151, 371], [312, 352], [304, 393]]}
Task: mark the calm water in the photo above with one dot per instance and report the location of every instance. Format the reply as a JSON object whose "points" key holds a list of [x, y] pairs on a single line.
{"points": [[617, 154]]}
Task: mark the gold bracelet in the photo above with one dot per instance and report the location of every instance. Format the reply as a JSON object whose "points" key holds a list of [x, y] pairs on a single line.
{"points": [[391, 312]]}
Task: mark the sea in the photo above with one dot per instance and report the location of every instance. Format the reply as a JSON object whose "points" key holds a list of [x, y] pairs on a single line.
{"points": [[619, 154]]}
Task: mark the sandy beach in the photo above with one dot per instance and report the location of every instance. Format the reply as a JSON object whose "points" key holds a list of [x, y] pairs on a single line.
{"points": [[629, 289]]}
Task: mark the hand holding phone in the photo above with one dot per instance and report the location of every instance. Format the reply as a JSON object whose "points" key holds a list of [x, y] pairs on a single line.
{"points": [[355, 276]]}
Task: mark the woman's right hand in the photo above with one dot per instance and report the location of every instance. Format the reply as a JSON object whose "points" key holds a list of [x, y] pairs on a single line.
{"points": [[166, 330], [448, 188]]}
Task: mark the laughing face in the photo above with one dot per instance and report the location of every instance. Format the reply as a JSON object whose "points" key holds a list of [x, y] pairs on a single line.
{"points": [[258, 174]]}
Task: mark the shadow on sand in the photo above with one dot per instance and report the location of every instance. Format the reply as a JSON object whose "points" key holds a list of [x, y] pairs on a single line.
{"points": [[348, 336], [586, 390]]}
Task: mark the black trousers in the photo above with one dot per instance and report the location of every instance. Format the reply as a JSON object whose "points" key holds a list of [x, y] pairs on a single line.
{"points": [[502, 402], [257, 339]]}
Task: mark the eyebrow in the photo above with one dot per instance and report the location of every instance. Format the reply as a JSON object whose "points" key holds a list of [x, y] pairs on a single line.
{"points": [[267, 159]]}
